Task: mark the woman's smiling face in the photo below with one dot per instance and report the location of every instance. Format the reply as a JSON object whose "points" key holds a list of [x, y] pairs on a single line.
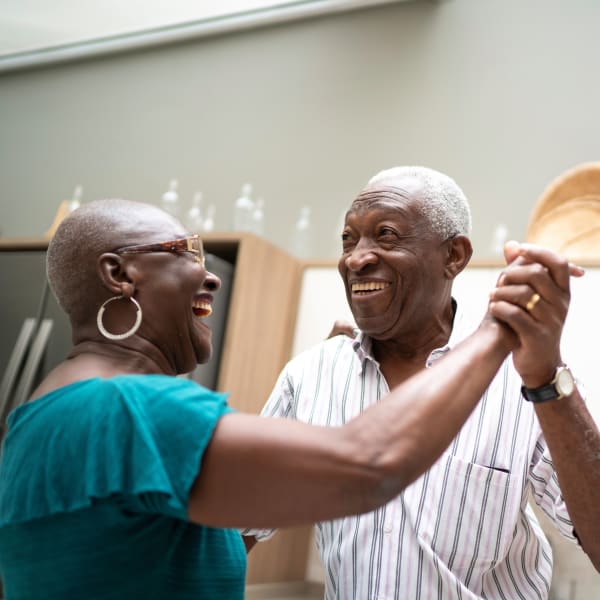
{"points": [[175, 292]]}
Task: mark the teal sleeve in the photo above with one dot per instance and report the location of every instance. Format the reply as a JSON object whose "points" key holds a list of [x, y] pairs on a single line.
{"points": [[136, 436], [180, 421]]}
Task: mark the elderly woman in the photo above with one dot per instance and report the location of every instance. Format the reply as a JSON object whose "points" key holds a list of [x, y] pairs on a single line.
{"points": [[120, 480]]}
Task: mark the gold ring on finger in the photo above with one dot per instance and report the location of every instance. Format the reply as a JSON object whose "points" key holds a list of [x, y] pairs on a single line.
{"points": [[535, 298]]}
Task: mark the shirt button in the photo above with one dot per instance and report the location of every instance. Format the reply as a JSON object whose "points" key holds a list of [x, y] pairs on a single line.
{"points": [[388, 528]]}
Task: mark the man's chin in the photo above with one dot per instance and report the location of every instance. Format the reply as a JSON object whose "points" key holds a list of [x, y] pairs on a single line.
{"points": [[380, 334]]}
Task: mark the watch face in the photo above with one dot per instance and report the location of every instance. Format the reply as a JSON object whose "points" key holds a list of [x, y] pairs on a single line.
{"points": [[564, 382]]}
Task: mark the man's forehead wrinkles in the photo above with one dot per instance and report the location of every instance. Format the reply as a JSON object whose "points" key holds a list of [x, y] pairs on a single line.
{"points": [[394, 203], [385, 192]]}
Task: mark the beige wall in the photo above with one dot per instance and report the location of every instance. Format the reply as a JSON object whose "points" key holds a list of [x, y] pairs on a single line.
{"points": [[500, 94]]}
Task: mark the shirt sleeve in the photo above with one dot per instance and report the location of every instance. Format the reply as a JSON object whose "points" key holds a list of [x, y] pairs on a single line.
{"points": [[546, 490]]}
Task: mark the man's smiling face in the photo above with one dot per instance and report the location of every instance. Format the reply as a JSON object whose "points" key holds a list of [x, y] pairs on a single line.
{"points": [[392, 264]]}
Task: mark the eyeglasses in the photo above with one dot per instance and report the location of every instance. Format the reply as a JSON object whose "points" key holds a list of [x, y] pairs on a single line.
{"points": [[191, 245]]}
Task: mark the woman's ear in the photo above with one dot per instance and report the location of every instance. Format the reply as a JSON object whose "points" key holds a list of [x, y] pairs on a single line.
{"points": [[113, 274], [460, 251]]}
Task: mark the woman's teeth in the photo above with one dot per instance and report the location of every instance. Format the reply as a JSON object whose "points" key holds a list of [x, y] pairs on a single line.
{"points": [[202, 308]]}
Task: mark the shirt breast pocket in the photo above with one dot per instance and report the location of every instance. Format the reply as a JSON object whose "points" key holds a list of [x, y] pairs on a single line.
{"points": [[464, 513]]}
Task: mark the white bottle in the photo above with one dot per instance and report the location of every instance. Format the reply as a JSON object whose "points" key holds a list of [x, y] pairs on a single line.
{"points": [[499, 238], [242, 210], [75, 201], [258, 217], [336, 246], [209, 219], [302, 240], [170, 199], [193, 219]]}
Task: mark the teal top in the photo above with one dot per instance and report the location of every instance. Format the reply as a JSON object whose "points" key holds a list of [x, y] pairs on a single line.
{"points": [[94, 486]]}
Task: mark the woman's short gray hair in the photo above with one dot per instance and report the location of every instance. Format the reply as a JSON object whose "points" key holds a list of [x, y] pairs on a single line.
{"points": [[71, 259], [444, 204]]}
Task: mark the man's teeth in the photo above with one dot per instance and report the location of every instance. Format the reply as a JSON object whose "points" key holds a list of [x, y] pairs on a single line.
{"points": [[369, 286], [202, 309]]}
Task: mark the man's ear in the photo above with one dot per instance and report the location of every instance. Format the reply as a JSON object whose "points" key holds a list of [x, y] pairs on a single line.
{"points": [[113, 274], [460, 251]]}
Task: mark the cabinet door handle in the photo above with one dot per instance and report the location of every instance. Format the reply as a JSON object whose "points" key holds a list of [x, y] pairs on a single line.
{"points": [[32, 363], [13, 368]]}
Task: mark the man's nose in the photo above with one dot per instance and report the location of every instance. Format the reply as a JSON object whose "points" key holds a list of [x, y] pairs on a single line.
{"points": [[363, 254]]}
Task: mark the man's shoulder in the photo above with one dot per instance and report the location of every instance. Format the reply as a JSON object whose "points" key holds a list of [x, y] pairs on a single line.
{"points": [[326, 355], [324, 350]]}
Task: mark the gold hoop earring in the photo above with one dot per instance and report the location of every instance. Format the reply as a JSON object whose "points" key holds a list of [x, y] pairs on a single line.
{"points": [[119, 336]]}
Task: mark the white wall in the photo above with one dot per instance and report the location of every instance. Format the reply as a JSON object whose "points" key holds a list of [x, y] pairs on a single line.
{"points": [[322, 301]]}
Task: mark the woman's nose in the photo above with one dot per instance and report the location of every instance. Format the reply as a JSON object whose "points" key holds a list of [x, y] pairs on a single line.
{"points": [[211, 283]]}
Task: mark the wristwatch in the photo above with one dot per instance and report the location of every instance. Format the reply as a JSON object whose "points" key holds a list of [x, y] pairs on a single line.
{"points": [[562, 385]]}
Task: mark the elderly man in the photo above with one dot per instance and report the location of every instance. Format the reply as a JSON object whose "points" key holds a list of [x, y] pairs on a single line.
{"points": [[464, 529]]}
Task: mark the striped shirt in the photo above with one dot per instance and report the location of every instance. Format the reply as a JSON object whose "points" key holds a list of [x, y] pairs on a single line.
{"points": [[464, 529]]}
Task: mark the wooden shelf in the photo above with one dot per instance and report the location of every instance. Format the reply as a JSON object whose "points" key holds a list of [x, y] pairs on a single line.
{"points": [[18, 244]]}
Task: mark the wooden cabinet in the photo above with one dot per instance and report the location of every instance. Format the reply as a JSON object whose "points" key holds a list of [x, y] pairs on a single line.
{"points": [[261, 316], [258, 342]]}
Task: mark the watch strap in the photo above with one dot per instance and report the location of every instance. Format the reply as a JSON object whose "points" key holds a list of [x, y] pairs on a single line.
{"points": [[562, 385], [540, 394]]}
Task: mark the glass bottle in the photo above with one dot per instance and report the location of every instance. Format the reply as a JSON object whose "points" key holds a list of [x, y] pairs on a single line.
{"points": [[302, 240], [242, 210], [499, 238], [258, 217], [170, 199], [193, 220], [209, 219], [75, 201]]}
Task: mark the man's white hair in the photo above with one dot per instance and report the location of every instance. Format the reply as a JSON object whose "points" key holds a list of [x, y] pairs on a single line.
{"points": [[444, 204]]}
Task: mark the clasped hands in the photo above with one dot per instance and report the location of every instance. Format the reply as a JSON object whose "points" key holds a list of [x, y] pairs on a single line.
{"points": [[532, 297]]}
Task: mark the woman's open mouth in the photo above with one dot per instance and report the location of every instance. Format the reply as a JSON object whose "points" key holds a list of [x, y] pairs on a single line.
{"points": [[202, 307]]}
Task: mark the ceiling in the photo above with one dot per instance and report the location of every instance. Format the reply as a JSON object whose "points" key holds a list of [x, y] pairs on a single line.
{"points": [[38, 31]]}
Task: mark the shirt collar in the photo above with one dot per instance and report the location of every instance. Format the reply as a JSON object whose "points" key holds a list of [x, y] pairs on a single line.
{"points": [[462, 326]]}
